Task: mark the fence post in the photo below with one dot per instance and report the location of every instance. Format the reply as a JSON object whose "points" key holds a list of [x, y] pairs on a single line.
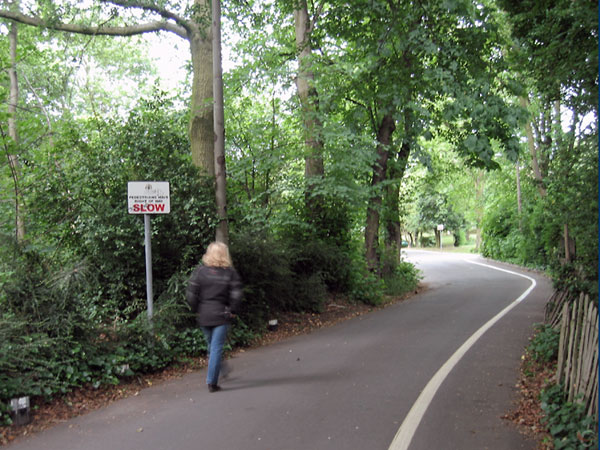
{"points": [[562, 345]]}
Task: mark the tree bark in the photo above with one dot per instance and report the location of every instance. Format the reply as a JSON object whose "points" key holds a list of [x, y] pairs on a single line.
{"points": [[222, 234], [392, 219], [309, 100], [519, 202], [393, 235], [537, 174], [569, 245], [384, 137], [13, 159], [479, 208], [201, 126], [201, 104]]}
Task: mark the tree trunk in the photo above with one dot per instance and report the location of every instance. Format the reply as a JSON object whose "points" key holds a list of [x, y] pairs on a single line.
{"points": [[479, 209], [13, 159], [393, 227], [519, 203], [393, 235], [201, 126], [222, 234], [384, 137], [537, 174], [569, 244], [309, 101]]}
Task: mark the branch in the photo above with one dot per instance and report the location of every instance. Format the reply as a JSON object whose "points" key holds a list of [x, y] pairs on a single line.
{"points": [[40, 102], [164, 13], [129, 30], [369, 110], [12, 161], [356, 102], [316, 15]]}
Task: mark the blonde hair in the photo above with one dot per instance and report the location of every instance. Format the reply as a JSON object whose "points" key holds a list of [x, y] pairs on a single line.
{"points": [[217, 255]]}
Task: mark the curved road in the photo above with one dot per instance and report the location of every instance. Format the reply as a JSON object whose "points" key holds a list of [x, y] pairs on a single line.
{"points": [[435, 371]]}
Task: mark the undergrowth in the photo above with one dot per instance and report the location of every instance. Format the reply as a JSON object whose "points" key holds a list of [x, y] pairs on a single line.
{"points": [[567, 421]]}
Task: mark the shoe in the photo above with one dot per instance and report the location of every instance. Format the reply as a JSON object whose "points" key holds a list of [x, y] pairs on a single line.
{"points": [[214, 388]]}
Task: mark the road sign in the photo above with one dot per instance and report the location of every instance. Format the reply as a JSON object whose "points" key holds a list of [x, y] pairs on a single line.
{"points": [[148, 197]]}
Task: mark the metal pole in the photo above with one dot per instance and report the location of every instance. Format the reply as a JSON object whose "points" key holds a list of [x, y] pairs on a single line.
{"points": [[147, 234]]}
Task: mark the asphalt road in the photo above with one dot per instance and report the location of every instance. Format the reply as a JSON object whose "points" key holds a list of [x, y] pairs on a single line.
{"points": [[435, 371]]}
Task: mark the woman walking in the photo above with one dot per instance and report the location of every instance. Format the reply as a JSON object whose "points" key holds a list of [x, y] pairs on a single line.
{"points": [[214, 293]]}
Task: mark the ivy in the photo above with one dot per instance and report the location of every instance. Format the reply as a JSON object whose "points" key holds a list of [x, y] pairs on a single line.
{"points": [[568, 422]]}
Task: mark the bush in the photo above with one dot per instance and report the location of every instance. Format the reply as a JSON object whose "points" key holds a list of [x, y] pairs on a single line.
{"points": [[313, 257], [405, 278], [41, 356], [264, 266], [310, 292], [366, 287], [32, 363], [567, 422], [86, 217], [427, 241], [241, 334], [544, 346], [460, 238], [279, 277]]}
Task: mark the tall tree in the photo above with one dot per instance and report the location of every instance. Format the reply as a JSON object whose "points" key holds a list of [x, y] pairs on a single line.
{"points": [[561, 99], [309, 102], [545, 33], [13, 158], [384, 141], [420, 69], [194, 28], [222, 234], [392, 220], [534, 149]]}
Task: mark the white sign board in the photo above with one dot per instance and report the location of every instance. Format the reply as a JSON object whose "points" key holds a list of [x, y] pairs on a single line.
{"points": [[148, 197], [440, 227]]}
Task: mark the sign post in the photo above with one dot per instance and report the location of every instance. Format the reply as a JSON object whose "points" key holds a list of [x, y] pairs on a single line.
{"points": [[148, 197], [148, 247], [440, 229]]}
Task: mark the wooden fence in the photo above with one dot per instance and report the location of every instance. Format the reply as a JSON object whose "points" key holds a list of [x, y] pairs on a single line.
{"points": [[577, 369]]}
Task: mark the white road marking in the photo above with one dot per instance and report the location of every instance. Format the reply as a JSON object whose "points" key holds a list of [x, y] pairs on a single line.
{"points": [[413, 419]]}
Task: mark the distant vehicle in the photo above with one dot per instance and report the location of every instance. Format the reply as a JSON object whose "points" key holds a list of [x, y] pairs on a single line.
{"points": [[405, 244]]}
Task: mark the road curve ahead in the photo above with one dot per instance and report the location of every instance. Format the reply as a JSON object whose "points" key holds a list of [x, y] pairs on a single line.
{"points": [[436, 371]]}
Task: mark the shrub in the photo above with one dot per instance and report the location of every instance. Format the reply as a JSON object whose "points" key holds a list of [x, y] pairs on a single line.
{"points": [[460, 238], [427, 241], [544, 346], [279, 277], [313, 257], [567, 422], [405, 278], [264, 266], [241, 334], [366, 286], [92, 223]]}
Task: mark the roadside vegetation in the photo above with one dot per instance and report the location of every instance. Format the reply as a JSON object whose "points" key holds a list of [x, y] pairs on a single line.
{"points": [[352, 130], [544, 410]]}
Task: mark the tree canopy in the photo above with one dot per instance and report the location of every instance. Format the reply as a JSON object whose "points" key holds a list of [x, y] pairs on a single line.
{"points": [[350, 128]]}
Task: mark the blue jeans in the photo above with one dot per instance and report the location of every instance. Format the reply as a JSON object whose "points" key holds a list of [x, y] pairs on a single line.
{"points": [[215, 340]]}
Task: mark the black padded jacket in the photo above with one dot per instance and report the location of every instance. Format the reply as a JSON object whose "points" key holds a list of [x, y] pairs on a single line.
{"points": [[214, 294]]}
